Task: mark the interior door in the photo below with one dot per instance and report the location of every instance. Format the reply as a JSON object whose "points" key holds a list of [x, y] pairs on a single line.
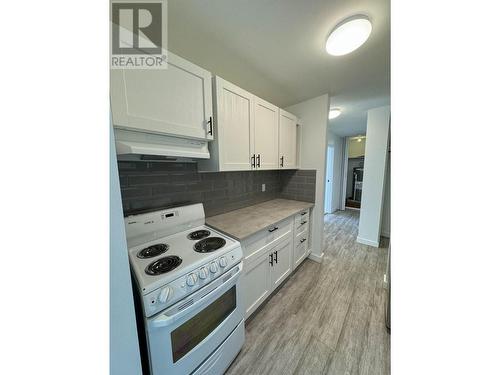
{"points": [[282, 266], [287, 140], [175, 101], [256, 283], [266, 134], [329, 181], [234, 126]]}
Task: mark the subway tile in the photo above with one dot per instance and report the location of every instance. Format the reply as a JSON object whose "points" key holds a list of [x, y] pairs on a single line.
{"points": [[128, 193], [168, 189], [173, 184], [123, 181]]}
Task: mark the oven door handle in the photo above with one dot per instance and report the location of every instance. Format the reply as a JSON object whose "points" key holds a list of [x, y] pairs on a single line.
{"points": [[170, 315]]}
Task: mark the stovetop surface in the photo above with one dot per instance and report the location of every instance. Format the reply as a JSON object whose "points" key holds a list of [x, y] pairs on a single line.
{"points": [[178, 245]]}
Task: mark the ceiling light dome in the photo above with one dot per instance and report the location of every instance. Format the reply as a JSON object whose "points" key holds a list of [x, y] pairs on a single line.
{"points": [[334, 112], [348, 35]]}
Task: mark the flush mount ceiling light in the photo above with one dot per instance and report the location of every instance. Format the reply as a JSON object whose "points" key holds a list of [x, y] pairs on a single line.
{"points": [[348, 35], [334, 112]]}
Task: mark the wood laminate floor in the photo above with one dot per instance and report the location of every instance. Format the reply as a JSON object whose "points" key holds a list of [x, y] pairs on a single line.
{"points": [[327, 318]]}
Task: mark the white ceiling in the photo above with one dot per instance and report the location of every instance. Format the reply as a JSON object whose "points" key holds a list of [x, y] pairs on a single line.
{"points": [[275, 49]]}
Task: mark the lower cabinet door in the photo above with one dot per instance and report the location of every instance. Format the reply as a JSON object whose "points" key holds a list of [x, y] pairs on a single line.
{"points": [[256, 283], [282, 262]]}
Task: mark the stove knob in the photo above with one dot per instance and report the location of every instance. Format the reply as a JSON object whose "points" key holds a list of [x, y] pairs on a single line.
{"points": [[213, 267], [164, 294], [191, 279], [223, 262], [203, 273]]}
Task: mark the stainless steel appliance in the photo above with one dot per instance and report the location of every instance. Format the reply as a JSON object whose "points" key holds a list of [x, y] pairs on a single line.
{"points": [[187, 279]]}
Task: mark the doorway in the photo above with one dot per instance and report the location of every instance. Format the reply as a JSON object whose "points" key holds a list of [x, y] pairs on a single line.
{"points": [[355, 171], [329, 180]]}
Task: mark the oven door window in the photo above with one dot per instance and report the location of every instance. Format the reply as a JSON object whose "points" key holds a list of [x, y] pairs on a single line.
{"points": [[192, 332]]}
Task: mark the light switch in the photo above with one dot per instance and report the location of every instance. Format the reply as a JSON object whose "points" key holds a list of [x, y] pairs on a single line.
{"points": [[263, 187]]}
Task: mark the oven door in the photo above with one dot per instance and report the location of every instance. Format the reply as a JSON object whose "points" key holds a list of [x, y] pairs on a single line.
{"points": [[181, 337]]}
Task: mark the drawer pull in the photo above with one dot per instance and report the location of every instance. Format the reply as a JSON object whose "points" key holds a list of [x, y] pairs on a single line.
{"points": [[272, 230], [303, 213], [303, 222], [302, 240], [275, 256]]}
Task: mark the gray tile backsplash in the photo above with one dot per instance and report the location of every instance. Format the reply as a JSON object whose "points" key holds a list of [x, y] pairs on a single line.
{"points": [[153, 185], [299, 185]]}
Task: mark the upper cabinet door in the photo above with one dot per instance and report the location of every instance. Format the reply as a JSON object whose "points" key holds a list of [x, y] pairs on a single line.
{"points": [[266, 134], [234, 117], [175, 101], [287, 140]]}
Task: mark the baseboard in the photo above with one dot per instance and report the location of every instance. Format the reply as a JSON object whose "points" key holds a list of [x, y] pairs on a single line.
{"points": [[316, 258], [364, 241], [352, 208]]}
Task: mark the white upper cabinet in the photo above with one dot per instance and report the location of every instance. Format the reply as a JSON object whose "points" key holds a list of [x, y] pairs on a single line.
{"points": [[175, 101], [265, 135], [249, 133], [287, 140], [234, 128]]}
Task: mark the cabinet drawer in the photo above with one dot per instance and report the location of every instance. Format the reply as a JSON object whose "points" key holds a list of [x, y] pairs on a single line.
{"points": [[266, 238], [299, 254], [301, 222], [302, 238]]}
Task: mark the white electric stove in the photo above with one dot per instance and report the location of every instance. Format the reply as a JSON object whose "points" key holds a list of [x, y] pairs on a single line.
{"points": [[187, 276]]}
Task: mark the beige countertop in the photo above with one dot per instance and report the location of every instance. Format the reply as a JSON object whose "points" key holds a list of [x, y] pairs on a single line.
{"points": [[249, 220]]}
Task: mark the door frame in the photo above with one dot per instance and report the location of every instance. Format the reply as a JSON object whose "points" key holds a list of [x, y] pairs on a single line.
{"points": [[330, 163], [345, 156]]}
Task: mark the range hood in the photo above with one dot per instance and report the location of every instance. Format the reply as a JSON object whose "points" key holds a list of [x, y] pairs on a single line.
{"points": [[132, 145]]}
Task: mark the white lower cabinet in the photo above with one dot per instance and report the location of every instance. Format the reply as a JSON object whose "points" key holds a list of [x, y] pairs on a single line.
{"points": [[301, 237], [300, 248], [268, 260], [256, 283], [271, 255], [281, 263]]}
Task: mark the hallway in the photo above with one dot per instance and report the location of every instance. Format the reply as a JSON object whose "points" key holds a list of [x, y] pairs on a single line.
{"points": [[328, 317]]}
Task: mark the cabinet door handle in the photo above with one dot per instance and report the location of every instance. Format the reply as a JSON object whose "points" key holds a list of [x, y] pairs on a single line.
{"points": [[302, 240], [258, 160], [210, 128], [282, 160], [275, 256], [303, 213], [253, 161], [272, 230], [303, 222], [271, 260]]}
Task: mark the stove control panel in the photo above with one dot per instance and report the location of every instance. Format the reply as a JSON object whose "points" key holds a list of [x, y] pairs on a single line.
{"points": [[183, 286]]}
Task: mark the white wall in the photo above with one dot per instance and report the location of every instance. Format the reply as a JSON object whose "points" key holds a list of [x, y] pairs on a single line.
{"points": [[124, 345], [336, 141], [314, 118], [377, 136]]}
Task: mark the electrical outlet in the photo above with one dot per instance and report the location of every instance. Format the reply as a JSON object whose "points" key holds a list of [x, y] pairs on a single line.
{"points": [[263, 187]]}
